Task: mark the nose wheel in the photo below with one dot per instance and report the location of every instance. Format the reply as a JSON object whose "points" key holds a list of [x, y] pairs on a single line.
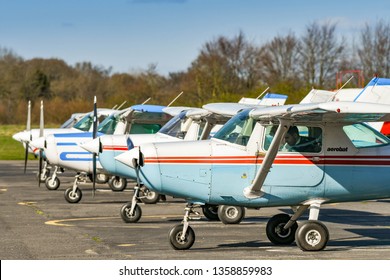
{"points": [[130, 213], [73, 196], [181, 239], [52, 183]]}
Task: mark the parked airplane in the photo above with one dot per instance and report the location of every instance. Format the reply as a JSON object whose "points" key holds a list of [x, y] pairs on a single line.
{"points": [[303, 156], [189, 124], [78, 122], [62, 150]]}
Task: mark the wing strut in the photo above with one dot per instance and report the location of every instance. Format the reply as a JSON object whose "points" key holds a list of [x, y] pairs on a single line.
{"points": [[254, 191]]}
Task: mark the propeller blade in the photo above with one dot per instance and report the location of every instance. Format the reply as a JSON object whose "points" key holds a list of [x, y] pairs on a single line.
{"points": [[94, 175], [28, 128], [40, 167], [94, 134], [41, 127], [94, 128], [25, 158]]}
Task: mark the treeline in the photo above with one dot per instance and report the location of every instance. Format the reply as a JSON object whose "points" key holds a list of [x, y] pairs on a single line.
{"points": [[226, 69]]}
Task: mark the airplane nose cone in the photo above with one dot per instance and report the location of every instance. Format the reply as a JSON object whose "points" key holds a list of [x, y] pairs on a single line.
{"points": [[91, 146], [23, 136], [128, 157], [39, 143]]}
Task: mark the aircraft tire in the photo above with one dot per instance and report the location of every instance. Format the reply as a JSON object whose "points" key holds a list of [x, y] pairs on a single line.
{"points": [[75, 197], [176, 242], [275, 232], [210, 212], [102, 178], [312, 236], [117, 184], [125, 213], [231, 214], [52, 186], [149, 197]]}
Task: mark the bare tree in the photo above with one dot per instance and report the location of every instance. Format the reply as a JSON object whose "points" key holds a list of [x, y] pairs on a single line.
{"points": [[374, 50], [225, 66], [320, 54], [281, 58]]}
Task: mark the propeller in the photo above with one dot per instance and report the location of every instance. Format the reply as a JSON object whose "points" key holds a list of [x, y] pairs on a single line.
{"points": [[94, 134], [41, 127], [28, 128]]}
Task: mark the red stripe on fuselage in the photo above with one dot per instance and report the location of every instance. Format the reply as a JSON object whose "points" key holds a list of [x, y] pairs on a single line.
{"points": [[115, 148], [288, 160]]}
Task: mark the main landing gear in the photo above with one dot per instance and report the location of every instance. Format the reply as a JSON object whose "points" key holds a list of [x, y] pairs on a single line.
{"points": [[227, 214], [311, 235], [281, 229]]}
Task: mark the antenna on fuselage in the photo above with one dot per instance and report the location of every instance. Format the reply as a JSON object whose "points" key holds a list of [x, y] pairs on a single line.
{"points": [[334, 96], [120, 106], [146, 101], [175, 99], [261, 94]]}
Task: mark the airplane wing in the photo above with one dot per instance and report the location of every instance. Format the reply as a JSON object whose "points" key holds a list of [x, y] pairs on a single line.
{"points": [[197, 113], [228, 109], [173, 111], [346, 112]]}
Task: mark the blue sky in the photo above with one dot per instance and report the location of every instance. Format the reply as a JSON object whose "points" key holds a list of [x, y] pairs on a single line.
{"points": [[129, 35]]}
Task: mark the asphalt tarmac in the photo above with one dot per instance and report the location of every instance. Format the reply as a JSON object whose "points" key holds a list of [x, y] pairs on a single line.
{"points": [[38, 224]]}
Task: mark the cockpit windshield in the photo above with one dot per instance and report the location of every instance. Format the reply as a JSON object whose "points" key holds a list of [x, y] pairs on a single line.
{"points": [[109, 124], [238, 129], [173, 127], [85, 123]]}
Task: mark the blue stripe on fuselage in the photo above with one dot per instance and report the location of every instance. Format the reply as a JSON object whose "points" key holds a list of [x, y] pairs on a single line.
{"points": [[65, 156]]}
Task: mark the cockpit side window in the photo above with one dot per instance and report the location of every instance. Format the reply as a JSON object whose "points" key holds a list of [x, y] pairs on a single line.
{"points": [[364, 136], [302, 139]]}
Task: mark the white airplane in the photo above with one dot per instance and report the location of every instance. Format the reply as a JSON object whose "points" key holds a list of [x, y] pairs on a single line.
{"points": [[78, 122], [62, 150]]}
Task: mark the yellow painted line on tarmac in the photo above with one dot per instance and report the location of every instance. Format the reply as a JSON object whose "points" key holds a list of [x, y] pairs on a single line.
{"points": [[3, 190], [65, 222], [126, 245], [27, 203]]}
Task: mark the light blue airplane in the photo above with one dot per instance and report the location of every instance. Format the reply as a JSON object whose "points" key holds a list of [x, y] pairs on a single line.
{"points": [[304, 156]]}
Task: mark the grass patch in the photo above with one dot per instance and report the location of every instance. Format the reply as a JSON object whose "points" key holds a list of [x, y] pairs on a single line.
{"points": [[11, 149]]}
